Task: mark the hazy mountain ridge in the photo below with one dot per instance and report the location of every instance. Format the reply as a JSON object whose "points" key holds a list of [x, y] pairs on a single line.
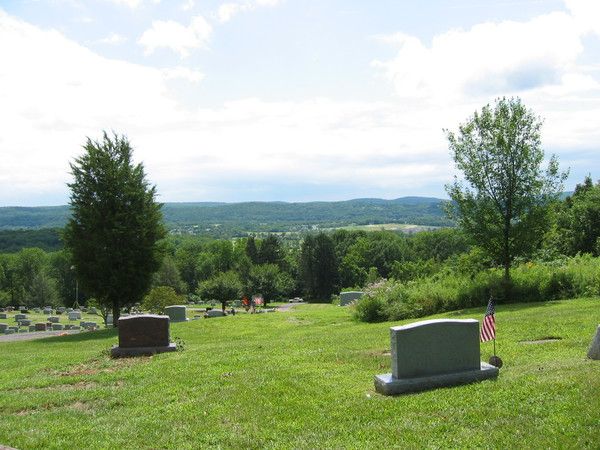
{"points": [[259, 216]]}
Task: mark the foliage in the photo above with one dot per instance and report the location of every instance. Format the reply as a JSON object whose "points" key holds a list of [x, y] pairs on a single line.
{"points": [[270, 281], [223, 287], [318, 267], [225, 221], [47, 239], [115, 224], [43, 291], [160, 297], [504, 203], [454, 288], [168, 275], [579, 220]]}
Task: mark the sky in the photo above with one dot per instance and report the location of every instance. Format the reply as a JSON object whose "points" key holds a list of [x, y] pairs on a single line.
{"points": [[289, 100]]}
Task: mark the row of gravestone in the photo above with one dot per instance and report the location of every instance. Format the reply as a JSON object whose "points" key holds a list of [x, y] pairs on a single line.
{"points": [[424, 355], [48, 310], [26, 326]]}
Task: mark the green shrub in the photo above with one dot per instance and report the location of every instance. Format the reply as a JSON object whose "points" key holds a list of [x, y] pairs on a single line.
{"points": [[161, 297], [452, 289], [369, 309]]}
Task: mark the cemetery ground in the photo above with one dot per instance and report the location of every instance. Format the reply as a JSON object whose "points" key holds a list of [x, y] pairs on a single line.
{"points": [[302, 378]]}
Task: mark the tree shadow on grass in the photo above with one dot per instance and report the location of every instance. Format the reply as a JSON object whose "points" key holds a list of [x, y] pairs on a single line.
{"points": [[78, 337]]}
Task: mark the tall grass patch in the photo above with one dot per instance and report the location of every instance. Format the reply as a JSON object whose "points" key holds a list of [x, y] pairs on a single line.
{"points": [[452, 289]]}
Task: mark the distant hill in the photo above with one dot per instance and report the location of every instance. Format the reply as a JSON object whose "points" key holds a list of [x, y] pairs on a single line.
{"points": [[230, 219]]}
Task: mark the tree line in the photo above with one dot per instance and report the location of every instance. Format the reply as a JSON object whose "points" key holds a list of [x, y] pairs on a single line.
{"points": [[319, 267]]}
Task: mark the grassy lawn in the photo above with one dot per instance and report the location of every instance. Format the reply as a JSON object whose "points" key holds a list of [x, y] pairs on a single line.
{"points": [[302, 378]]}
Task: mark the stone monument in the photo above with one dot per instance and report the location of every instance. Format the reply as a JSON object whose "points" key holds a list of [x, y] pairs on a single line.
{"points": [[594, 350], [348, 297], [434, 353], [144, 334], [177, 313]]}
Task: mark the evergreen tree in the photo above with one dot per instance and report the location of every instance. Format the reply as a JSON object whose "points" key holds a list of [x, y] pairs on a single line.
{"points": [[251, 250], [318, 267], [270, 251], [115, 226]]}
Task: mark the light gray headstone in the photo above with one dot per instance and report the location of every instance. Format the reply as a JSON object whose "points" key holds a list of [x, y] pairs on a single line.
{"points": [[19, 317], [57, 326], [176, 313], [75, 315], [594, 350], [348, 297], [53, 319], [48, 311], [3, 327], [214, 313], [434, 353], [3, 316]]}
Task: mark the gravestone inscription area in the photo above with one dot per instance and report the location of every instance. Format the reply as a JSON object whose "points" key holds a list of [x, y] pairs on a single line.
{"points": [[434, 353], [144, 334]]}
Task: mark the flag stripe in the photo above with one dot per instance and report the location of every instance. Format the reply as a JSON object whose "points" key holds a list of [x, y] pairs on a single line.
{"points": [[488, 327]]}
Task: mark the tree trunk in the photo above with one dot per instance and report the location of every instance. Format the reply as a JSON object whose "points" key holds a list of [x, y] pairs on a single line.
{"points": [[116, 311], [507, 261]]}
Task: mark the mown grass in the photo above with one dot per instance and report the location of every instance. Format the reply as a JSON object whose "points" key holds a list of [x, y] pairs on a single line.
{"points": [[302, 379]]}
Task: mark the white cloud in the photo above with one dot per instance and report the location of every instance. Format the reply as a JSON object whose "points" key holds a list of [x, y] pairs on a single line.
{"points": [[184, 73], [487, 60], [586, 13], [112, 39], [230, 9], [188, 5], [129, 3], [54, 93], [177, 37]]}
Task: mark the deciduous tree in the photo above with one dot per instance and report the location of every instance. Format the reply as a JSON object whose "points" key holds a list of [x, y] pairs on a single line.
{"points": [[503, 201]]}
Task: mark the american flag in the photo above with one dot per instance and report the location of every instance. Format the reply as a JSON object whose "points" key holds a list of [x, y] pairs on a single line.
{"points": [[488, 327]]}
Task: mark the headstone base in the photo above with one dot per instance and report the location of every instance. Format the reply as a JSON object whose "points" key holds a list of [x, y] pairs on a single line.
{"points": [[387, 385], [123, 352]]}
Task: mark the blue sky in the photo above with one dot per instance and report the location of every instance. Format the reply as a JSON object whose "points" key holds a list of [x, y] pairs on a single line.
{"points": [[286, 99]]}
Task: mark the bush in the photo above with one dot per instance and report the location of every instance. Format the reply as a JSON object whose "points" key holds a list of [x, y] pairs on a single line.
{"points": [[369, 309], [161, 297], [452, 289]]}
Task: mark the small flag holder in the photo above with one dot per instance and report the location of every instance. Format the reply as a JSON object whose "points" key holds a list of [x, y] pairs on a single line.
{"points": [[488, 331]]}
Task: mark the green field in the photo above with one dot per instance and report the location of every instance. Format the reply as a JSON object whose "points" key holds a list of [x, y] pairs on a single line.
{"points": [[302, 379], [403, 227]]}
